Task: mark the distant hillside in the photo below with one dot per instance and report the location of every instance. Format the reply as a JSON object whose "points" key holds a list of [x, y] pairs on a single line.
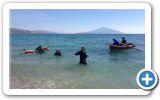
{"points": [[103, 30], [19, 31], [22, 31]]}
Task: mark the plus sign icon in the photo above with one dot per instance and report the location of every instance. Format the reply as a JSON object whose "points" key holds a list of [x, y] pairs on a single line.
{"points": [[147, 79]]}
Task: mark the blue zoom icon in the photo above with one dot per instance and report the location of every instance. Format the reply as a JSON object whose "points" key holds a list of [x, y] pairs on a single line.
{"points": [[147, 79]]}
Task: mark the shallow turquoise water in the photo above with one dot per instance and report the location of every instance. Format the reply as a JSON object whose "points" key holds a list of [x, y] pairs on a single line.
{"points": [[105, 69]]}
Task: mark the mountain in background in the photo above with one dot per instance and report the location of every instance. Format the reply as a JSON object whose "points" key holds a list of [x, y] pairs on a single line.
{"points": [[19, 31], [101, 30]]}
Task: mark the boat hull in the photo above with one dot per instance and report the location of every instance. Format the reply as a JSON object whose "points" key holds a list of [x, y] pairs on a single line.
{"points": [[122, 47]]}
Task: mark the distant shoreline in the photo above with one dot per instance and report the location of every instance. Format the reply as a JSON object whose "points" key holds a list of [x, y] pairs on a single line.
{"points": [[101, 30]]}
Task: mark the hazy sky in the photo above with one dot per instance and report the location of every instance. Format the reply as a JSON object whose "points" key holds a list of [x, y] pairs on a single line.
{"points": [[70, 21]]}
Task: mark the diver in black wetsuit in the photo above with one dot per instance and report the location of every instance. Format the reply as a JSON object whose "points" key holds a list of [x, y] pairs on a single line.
{"points": [[39, 50], [83, 56], [57, 53]]}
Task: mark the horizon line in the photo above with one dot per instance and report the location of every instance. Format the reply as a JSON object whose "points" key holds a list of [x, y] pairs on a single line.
{"points": [[71, 32]]}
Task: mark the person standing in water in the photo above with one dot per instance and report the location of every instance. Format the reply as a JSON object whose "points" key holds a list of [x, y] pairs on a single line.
{"points": [[57, 53], [83, 56], [39, 49]]}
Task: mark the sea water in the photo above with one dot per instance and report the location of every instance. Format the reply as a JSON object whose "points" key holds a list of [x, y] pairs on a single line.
{"points": [[104, 70]]}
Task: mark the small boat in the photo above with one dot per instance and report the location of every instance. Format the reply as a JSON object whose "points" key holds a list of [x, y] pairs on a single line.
{"points": [[29, 51], [45, 48], [33, 51], [122, 47]]}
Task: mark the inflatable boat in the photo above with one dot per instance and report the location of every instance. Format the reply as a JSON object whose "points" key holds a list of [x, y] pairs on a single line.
{"points": [[33, 51]]}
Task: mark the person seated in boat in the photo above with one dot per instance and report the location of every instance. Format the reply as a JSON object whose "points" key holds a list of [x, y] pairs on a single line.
{"points": [[123, 42], [83, 56], [39, 49], [57, 53], [115, 42]]}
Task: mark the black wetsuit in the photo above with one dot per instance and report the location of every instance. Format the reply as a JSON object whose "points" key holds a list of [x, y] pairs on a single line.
{"points": [[83, 57], [57, 54], [39, 50]]}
